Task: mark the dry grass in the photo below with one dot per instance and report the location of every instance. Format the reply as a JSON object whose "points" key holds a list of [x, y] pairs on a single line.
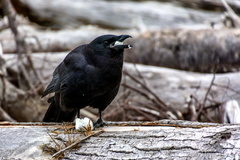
{"points": [[66, 138]]}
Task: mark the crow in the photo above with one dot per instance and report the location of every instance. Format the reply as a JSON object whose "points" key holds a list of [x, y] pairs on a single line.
{"points": [[90, 75]]}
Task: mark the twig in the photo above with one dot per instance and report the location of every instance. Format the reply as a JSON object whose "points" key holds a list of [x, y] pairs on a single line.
{"points": [[155, 98], [139, 74], [21, 47], [151, 107], [205, 98], [148, 97], [76, 143], [3, 103], [234, 17], [151, 118], [5, 116], [207, 116], [147, 89], [57, 144], [227, 87]]}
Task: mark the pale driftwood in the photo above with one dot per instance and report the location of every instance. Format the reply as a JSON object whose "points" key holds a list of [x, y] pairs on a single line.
{"points": [[231, 15], [209, 4], [193, 50], [110, 14], [210, 141], [143, 16]]}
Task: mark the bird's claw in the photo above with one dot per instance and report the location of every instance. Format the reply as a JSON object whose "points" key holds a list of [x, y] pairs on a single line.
{"points": [[99, 123]]}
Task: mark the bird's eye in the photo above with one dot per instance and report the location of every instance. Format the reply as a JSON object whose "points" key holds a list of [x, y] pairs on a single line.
{"points": [[105, 43]]}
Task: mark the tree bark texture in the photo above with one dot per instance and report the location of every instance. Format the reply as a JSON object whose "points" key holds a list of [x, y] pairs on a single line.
{"points": [[110, 14], [214, 50], [155, 140], [205, 50]]}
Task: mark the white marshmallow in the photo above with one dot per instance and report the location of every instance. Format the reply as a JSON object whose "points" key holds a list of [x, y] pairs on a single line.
{"points": [[83, 124]]}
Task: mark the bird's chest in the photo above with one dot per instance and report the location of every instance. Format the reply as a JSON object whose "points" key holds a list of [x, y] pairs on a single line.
{"points": [[98, 81], [111, 70], [110, 78]]}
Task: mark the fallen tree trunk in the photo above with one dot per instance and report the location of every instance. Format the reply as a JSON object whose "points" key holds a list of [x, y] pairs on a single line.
{"points": [[153, 140], [209, 4], [192, 50], [110, 14]]}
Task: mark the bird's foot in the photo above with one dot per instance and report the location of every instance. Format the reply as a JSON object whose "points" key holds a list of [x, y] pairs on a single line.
{"points": [[99, 123]]}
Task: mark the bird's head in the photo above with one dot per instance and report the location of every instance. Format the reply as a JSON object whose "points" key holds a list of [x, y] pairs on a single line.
{"points": [[111, 42]]}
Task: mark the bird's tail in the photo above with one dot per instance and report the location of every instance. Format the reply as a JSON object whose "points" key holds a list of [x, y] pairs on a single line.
{"points": [[55, 114]]}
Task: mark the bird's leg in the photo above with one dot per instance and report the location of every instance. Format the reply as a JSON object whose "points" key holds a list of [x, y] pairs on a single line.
{"points": [[78, 113], [99, 122]]}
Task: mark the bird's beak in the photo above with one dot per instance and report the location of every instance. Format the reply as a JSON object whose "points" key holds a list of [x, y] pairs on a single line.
{"points": [[118, 44]]}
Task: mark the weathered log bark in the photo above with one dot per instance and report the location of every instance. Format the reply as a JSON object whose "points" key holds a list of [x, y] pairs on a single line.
{"points": [[210, 4], [193, 50], [154, 140], [109, 14]]}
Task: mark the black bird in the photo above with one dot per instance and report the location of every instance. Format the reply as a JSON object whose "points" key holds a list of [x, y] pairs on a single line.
{"points": [[89, 75]]}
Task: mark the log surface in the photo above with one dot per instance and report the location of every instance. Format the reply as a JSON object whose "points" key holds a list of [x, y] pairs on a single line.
{"points": [[175, 140]]}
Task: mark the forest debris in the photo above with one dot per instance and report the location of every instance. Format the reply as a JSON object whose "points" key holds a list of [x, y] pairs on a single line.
{"points": [[171, 86], [231, 15], [74, 144]]}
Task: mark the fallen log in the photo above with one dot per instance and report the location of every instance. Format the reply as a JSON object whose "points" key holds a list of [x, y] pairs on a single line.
{"points": [[174, 140], [110, 14], [192, 50], [209, 4]]}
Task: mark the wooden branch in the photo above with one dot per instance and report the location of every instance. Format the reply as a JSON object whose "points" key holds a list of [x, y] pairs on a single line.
{"points": [[11, 15], [4, 116], [21, 48], [202, 105], [232, 15]]}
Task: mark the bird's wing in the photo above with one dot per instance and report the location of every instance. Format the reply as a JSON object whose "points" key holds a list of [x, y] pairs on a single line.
{"points": [[73, 60], [59, 75]]}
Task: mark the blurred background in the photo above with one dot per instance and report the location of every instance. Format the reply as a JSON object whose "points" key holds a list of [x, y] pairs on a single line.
{"points": [[184, 63]]}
